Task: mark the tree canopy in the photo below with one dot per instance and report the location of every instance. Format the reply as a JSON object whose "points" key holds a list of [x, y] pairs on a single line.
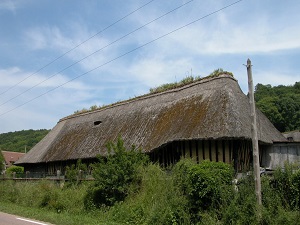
{"points": [[19, 140], [281, 104]]}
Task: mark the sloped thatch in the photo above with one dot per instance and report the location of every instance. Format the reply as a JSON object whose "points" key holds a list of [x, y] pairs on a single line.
{"points": [[212, 108]]}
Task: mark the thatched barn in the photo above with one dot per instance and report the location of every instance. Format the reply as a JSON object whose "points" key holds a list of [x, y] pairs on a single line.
{"points": [[207, 120]]}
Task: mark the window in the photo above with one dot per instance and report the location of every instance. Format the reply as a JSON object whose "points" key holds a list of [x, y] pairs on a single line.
{"points": [[96, 123]]}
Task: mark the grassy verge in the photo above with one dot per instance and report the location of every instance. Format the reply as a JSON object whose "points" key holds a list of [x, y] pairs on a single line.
{"points": [[46, 215]]}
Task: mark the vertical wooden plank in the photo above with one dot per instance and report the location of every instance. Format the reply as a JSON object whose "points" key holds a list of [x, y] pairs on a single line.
{"points": [[230, 150], [190, 149], [207, 153], [203, 149], [217, 150], [197, 150], [227, 152], [212, 150], [223, 152]]}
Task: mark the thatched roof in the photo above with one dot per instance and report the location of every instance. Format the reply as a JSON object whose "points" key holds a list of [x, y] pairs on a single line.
{"points": [[213, 108]]}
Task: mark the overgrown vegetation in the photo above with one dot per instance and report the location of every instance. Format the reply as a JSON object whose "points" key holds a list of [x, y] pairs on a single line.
{"points": [[130, 190], [15, 169], [187, 80], [75, 172], [281, 104], [19, 140]]}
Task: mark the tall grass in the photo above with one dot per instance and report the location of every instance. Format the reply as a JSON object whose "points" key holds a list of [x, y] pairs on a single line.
{"points": [[164, 197], [159, 201]]}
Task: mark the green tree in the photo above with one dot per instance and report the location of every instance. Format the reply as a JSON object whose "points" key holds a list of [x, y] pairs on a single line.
{"points": [[19, 140], [115, 174], [281, 104], [268, 106]]}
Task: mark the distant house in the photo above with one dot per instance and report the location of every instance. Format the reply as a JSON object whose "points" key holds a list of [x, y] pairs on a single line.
{"points": [[205, 120], [11, 157]]}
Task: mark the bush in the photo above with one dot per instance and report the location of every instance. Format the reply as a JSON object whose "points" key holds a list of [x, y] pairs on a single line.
{"points": [[207, 185], [158, 201], [115, 174], [287, 184], [19, 170], [72, 172]]}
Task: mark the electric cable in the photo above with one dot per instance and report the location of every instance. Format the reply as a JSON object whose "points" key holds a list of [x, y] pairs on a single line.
{"points": [[122, 55], [111, 43], [81, 43]]}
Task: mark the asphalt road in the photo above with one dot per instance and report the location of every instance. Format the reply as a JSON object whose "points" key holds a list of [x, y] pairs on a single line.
{"points": [[8, 219]]}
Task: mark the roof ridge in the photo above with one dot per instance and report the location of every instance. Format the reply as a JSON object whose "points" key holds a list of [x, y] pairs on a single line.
{"points": [[150, 95]]}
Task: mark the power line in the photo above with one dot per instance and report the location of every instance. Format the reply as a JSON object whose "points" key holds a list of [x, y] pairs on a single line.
{"points": [[124, 54], [111, 43], [81, 43]]}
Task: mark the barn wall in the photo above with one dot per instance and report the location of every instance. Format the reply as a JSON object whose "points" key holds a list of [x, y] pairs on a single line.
{"points": [[236, 152], [276, 155]]}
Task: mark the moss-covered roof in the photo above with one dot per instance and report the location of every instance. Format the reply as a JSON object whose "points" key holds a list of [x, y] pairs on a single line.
{"points": [[213, 108]]}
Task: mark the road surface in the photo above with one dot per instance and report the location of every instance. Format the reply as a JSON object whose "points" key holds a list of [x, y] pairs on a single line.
{"points": [[8, 219]]}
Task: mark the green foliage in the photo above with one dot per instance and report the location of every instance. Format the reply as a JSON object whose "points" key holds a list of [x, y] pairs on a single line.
{"points": [[73, 172], [158, 201], [164, 87], [281, 104], [287, 183], [219, 72], [18, 140], [164, 197], [187, 80], [15, 169], [115, 174], [81, 111], [207, 185]]}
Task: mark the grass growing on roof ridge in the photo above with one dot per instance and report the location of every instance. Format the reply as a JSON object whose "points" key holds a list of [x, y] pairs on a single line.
{"points": [[164, 87]]}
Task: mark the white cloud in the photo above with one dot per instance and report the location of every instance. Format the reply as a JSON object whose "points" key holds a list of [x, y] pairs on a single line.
{"points": [[23, 79], [156, 71], [275, 78], [8, 5]]}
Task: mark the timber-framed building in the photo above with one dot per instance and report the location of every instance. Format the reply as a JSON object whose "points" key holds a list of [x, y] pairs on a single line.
{"points": [[206, 120]]}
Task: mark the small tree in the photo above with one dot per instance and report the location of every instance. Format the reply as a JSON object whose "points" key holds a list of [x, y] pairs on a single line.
{"points": [[115, 174]]}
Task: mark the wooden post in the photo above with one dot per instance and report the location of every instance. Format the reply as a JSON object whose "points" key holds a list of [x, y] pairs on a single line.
{"points": [[254, 135]]}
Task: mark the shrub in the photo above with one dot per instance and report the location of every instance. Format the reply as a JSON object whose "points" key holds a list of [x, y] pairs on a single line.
{"points": [[287, 184], [158, 201], [115, 174], [19, 170], [207, 185], [72, 172]]}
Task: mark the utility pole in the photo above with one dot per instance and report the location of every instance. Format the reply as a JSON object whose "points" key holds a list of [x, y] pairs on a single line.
{"points": [[254, 135]]}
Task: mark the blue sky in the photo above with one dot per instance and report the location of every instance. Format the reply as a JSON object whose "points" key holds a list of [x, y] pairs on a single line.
{"points": [[34, 33]]}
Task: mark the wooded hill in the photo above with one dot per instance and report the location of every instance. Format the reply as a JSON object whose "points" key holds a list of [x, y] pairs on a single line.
{"points": [[281, 104], [19, 140]]}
